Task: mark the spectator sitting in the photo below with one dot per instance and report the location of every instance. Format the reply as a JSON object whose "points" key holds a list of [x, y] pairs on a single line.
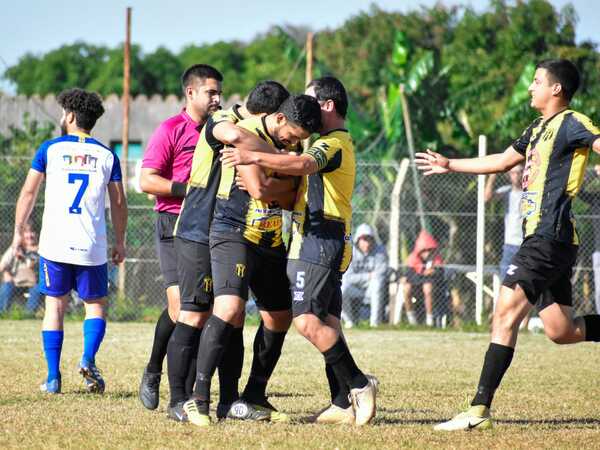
{"points": [[366, 278], [423, 271], [19, 273]]}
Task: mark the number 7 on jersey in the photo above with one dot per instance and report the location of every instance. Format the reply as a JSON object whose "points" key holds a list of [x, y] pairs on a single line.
{"points": [[85, 181]]}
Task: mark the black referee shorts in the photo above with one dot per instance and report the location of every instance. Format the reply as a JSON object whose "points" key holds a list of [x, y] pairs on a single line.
{"points": [[543, 268], [165, 247]]}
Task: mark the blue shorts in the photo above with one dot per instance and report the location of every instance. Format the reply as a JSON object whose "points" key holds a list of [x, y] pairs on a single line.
{"points": [[57, 279]]}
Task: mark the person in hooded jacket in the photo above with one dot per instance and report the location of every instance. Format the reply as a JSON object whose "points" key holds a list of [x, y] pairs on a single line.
{"points": [[424, 271], [366, 278]]}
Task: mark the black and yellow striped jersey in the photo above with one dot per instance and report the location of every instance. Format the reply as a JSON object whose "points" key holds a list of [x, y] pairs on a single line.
{"points": [[556, 152], [198, 205], [322, 217], [235, 210]]}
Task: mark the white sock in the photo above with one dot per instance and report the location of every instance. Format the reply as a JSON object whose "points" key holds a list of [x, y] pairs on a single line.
{"points": [[429, 320], [412, 318]]}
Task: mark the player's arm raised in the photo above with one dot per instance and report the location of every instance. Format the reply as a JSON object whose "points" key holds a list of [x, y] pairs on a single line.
{"points": [[118, 215], [434, 163], [25, 202], [288, 164]]}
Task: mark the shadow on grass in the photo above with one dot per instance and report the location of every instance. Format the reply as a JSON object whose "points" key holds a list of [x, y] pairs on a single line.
{"points": [[113, 395], [289, 394], [551, 422]]}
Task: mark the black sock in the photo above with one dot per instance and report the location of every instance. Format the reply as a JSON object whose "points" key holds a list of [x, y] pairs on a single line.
{"points": [[213, 342], [592, 327], [496, 363], [179, 355], [343, 365], [230, 367], [191, 376], [162, 333], [339, 393], [267, 350]]}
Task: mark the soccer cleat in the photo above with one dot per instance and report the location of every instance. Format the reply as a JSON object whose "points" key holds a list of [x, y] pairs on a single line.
{"points": [[149, 387], [475, 418], [374, 381], [51, 387], [364, 401], [333, 414], [242, 410], [195, 417], [177, 413], [275, 415], [94, 383]]}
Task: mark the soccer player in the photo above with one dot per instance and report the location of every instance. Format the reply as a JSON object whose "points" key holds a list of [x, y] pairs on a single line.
{"points": [[78, 170], [555, 148], [192, 238], [165, 172], [247, 251], [321, 248]]}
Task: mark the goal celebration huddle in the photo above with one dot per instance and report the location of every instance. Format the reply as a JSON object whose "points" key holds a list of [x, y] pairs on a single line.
{"points": [[222, 179]]}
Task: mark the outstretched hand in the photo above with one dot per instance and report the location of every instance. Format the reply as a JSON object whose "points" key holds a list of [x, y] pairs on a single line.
{"points": [[432, 163], [232, 156]]}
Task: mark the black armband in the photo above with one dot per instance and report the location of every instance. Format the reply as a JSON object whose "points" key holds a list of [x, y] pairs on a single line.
{"points": [[178, 189]]}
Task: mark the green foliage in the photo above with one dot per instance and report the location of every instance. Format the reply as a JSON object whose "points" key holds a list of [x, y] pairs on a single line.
{"points": [[465, 72]]}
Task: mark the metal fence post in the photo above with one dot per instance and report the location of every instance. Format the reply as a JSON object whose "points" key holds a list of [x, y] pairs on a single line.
{"points": [[480, 237]]}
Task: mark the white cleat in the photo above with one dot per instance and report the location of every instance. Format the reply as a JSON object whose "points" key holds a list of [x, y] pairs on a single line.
{"points": [[364, 401], [475, 418]]}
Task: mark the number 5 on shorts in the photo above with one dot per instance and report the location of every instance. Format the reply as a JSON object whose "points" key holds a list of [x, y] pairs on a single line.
{"points": [[300, 280]]}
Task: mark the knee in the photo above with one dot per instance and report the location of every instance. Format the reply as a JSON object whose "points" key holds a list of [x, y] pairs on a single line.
{"points": [[505, 321], [230, 313], [557, 335], [192, 318], [305, 327]]}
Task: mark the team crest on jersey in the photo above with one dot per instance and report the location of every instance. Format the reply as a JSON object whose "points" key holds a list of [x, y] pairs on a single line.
{"points": [[298, 296], [528, 204], [240, 270], [548, 134], [80, 162]]}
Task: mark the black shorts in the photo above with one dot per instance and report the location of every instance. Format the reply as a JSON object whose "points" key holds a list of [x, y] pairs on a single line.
{"points": [[195, 277], [315, 289], [165, 247], [238, 264], [543, 268]]}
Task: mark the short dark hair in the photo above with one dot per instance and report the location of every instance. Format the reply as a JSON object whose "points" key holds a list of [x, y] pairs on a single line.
{"points": [[199, 71], [564, 72], [330, 88], [87, 106], [302, 110], [266, 97]]}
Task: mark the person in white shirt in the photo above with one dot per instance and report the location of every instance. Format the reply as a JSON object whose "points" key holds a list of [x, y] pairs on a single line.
{"points": [[78, 170], [513, 219]]}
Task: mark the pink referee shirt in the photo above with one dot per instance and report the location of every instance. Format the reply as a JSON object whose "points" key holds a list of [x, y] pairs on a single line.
{"points": [[170, 151]]}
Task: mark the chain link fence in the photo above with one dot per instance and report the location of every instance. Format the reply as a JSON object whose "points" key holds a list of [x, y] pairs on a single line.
{"points": [[398, 205]]}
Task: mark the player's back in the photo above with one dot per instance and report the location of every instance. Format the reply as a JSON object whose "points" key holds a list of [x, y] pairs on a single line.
{"points": [[78, 169]]}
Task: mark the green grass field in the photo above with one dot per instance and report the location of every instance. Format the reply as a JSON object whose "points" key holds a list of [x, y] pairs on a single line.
{"points": [[550, 397]]}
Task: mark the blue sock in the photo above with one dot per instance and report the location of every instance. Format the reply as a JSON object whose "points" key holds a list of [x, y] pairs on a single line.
{"points": [[53, 341], [93, 333]]}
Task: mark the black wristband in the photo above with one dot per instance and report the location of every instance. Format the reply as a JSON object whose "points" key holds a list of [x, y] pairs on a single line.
{"points": [[178, 189]]}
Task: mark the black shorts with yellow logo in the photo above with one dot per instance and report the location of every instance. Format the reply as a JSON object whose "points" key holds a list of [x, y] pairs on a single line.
{"points": [[543, 268], [195, 277], [315, 289], [239, 265]]}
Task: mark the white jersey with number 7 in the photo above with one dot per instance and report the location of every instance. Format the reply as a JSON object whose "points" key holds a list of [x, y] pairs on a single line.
{"points": [[78, 169]]}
